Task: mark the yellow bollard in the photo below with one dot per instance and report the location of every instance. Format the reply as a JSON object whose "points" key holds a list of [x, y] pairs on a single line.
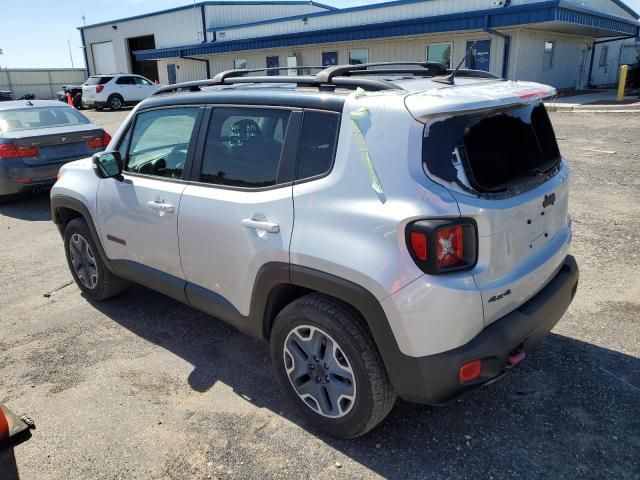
{"points": [[623, 82]]}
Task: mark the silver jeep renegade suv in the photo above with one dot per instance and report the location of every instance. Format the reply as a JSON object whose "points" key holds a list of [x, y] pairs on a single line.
{"points": [[391, 230]]}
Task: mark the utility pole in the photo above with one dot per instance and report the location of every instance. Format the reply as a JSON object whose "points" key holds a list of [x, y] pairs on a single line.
{"points": [[70, 54]]}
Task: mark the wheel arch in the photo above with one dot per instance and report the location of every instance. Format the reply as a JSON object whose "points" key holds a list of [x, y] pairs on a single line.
{"points": [[65, 208]]}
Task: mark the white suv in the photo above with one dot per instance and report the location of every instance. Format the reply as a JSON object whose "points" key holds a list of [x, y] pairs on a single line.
{"points": [[116, 91], [399, 231]]}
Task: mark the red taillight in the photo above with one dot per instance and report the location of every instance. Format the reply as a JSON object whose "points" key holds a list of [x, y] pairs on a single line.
{"points": [[8, 150], [419, 245], [99, 88], [470, 371], [449, 247], [99, 142], [438, 246]]}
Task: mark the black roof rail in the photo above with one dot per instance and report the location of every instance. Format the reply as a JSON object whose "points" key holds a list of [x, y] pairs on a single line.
{"points": [[344, 76], [430, 68]]}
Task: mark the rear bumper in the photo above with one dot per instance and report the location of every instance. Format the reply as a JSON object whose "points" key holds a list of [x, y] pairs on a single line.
{"points": [[434, 379], [16, 176]]}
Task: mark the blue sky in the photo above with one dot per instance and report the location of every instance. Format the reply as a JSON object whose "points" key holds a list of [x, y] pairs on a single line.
{"points": [[34, 33]]}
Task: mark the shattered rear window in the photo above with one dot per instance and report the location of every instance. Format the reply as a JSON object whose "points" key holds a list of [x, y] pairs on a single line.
{"points": [[491, 152]]}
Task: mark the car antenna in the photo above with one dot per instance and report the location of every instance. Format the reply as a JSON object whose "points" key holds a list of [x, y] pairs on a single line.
{"points": [[450, 79]]}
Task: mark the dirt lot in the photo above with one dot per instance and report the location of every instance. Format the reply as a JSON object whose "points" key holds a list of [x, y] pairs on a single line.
{"points": [[144, 387]]}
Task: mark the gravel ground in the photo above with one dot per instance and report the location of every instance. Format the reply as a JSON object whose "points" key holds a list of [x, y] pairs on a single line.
{"points": [[144, 387]]}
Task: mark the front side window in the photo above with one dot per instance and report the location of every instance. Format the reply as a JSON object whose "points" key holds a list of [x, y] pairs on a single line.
{"points": [[440, 52], [317, 144], [141, 81], [160, 141], [240, 63], [358, 57], [244, 146], [547, 61]]}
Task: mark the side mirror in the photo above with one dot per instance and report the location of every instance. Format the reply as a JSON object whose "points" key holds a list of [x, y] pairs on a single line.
{"points": [[107, 165]]}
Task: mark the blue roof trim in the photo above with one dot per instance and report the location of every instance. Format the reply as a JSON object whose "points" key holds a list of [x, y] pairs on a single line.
{"points": [[336, 11], [511, 16], [209, 3]]}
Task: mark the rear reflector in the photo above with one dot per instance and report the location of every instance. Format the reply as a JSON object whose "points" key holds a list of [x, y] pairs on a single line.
{"points": [[100, 142], [470, 371], [8, 150], [419, 245]]}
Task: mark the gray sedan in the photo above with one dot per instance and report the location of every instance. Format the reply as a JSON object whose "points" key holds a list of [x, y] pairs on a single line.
{"points": [[37, 137]]}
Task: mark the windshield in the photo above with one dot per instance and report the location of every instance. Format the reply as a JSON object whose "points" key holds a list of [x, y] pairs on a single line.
{"points": [[40, 117]]}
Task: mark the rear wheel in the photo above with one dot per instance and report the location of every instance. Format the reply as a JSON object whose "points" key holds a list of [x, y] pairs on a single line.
{"points": [[330, 367], [115, 102], [90, 273]]}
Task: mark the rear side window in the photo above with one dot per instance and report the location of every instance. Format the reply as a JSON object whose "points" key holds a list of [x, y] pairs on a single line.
{"points": [[125, 81], [97, 80], [160, 142], [492, 152], [244, 146], [317, 144]]}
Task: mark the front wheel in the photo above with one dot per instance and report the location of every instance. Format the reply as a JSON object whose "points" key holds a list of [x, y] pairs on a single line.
{"points": [[90, 273], [330, 367]]}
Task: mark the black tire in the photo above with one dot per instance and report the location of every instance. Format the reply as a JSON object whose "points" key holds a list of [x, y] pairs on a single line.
{"points": [[115, 102], [374, 396], [107, 284]]}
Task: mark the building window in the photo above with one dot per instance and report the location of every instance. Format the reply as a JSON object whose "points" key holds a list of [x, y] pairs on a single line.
{"points": [[604, 53], [440, 52], [273, 62], [240, 63], [358, 57], [547, 60], [329, 59]]}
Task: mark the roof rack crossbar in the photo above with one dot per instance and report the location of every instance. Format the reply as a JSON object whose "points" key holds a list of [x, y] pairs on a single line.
{"points": [[325, 76], [310, 81]]}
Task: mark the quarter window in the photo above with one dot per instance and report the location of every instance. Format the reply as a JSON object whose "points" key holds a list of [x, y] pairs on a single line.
{"points": [[440, 52], [244, 146], [317, 144], [160, 141]]}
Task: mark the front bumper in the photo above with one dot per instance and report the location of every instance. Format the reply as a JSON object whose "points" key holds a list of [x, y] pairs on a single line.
{"points": [[434, 379]]}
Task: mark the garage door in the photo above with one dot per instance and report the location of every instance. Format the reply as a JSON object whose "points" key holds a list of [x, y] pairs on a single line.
{"points": [[104, 58]]}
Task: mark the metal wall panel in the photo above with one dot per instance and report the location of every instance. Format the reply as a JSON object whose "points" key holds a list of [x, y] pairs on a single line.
{"points": [[221, 15], [604, 6], [570, 59], [41, 82], [186, 70], [170, 29], [356, 17]]}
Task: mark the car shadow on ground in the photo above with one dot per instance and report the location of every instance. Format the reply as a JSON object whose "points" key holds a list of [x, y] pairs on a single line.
{"points": [[29, 206], [8, 466], [570, 410]]}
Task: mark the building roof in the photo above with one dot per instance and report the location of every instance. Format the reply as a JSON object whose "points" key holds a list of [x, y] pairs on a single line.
{"points": [[557, 11], [210, 3]]}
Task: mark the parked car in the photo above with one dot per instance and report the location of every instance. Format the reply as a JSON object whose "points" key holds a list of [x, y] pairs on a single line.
{"points": [[390, 233], [76, 95], [6, 95], [37, 137], [116, 91]]}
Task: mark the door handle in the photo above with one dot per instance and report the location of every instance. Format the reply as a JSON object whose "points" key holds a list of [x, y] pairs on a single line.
{"points": [[161, 208], [263, 225]]}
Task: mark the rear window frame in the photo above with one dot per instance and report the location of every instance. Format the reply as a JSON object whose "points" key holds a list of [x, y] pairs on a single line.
{"points": [[469, 190]]}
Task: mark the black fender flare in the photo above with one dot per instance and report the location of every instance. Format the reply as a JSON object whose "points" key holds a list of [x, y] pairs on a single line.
{"points": [[59, 201]]}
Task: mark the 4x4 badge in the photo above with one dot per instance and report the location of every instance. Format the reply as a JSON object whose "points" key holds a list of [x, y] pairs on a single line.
{"points": [[549, 200]]}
